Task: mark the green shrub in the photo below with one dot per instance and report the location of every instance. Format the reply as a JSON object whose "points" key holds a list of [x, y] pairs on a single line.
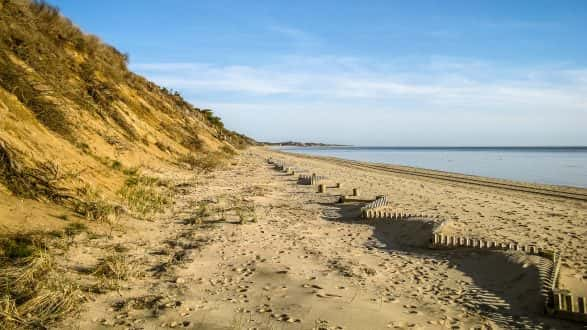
{"points": [[212, 119], [117, 165]]}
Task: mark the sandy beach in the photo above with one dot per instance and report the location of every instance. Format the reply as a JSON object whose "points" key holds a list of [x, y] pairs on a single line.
{"points": [[172, 165], [299, 260]]}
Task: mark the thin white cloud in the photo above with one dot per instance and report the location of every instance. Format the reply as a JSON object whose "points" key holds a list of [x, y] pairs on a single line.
{"points": [[466, 83], [347, 100]]}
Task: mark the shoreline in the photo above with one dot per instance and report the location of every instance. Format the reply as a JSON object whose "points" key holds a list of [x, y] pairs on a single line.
{"points": [[561, 191]]}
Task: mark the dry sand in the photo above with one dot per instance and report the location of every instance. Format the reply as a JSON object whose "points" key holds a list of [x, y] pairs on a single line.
{"points": [[309, 263]]}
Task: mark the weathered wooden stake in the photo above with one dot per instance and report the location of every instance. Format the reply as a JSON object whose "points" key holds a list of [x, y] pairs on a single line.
{"points": [[569, 303], [582, 305], [559, 301]]}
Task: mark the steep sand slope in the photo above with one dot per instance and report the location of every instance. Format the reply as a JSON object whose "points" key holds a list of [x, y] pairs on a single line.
{"points": [[73, 117]]}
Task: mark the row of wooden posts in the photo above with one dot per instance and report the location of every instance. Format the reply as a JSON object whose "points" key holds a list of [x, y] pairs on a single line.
{"points": [[567, 306], [310, 179], [562, 303], [392, 215], [307, 179], [559, 303], [376, 210], [380, 201], [446, 241]]}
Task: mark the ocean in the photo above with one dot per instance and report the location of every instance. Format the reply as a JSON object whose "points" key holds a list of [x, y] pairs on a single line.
{"points": [[566, 166]]}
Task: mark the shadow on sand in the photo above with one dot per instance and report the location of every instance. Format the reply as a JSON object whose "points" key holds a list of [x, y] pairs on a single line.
{"points": [[506, 287]]}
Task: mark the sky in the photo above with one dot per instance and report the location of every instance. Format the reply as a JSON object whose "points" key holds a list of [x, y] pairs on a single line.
{"points": [[376, 73]]}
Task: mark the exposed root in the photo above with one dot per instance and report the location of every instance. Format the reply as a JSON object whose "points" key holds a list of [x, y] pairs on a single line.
{"points": [[40, 181]]}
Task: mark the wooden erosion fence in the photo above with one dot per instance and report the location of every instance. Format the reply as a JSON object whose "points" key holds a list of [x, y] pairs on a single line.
{"points": [[559, 303]]}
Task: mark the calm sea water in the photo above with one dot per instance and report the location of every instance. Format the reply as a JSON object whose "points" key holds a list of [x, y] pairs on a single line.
{"points": [[551, 165]]}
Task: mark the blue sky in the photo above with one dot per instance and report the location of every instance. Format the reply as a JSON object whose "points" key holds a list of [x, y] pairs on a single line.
{"points": [[364, 72]]}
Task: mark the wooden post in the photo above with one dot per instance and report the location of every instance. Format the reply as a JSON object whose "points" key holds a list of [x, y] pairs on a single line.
{"points": [[582, 305], [558, 301], [355, 191], [569, 304]]}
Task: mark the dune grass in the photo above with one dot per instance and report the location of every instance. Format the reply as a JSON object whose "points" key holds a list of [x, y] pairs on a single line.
{"points": [[33, 291], [112, 269], [144, 194]]}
